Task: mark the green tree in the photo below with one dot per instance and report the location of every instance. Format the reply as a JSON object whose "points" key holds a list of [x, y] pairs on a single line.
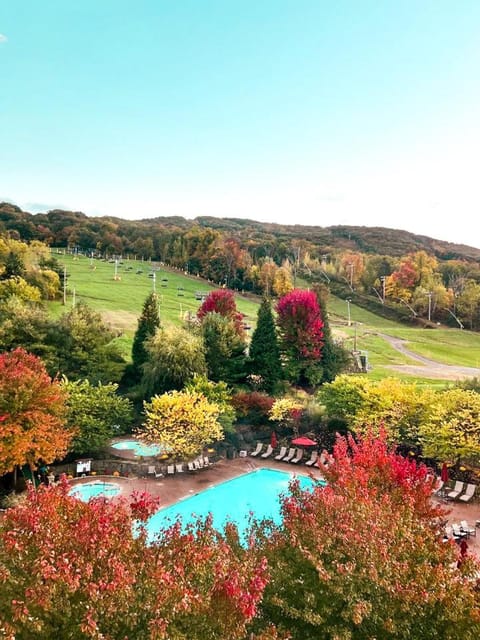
{"points": [[224, 349], [148, 323], [218, 393], [85, 347], [174, 356], [14, 266], [335, 358], [264, 354], [452, 430], [183, 421], [96, 413]]}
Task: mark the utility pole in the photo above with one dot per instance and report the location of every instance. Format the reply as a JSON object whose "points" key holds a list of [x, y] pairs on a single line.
{"points": [[382, 280], [351, 266], [348, 312], [154, 280], [429, 294], [64, 285]]}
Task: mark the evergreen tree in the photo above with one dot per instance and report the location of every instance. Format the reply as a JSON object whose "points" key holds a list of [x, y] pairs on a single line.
{"points": [[224, 349], [335, 359], [13, 266], [264, 352], [148, 323]]}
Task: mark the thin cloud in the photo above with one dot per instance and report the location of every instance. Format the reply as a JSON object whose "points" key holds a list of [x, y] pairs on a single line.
{"points": [[3, 38]]}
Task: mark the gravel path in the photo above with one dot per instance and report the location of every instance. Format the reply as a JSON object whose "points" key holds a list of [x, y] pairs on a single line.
{"points": [[428, 368]]}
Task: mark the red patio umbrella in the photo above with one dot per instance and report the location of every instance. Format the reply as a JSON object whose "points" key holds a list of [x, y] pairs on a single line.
{"points": [[444, 472], [303, 441], [273, 440]]}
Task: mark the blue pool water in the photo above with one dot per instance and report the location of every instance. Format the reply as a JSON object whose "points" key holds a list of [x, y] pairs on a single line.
{"points": [[256, 492], [88, 490], [139, 448]]}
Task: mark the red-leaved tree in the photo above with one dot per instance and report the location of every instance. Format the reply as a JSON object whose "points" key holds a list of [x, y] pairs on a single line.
{"points": [[71, 569], [222, 301], [300, 325], [32, 407], [363, 557]]}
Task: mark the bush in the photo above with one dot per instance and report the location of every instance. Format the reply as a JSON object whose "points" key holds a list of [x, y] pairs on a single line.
{"points": [[253, 407]]}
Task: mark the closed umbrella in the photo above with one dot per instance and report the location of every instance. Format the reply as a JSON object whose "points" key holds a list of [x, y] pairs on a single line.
{"points": [[273, 440], [444, 472]]}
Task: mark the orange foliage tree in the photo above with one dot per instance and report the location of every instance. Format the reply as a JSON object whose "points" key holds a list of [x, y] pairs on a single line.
{"points": [[32, 406]]}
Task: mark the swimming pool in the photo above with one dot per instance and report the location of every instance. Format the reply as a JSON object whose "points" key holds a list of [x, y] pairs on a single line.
{"points": [[234, 500], [88, 490], [138, 448]]}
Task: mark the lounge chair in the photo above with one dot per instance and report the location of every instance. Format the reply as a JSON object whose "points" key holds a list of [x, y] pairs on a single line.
{"points": [[268, 452], [469, 493], [153, 472], [170, 469], [196, 464], [450, 535], [191, 466], [257, 450], [457, 531], [290, 455], [282, 453], [323, 459], [179, 467], [457, 490], [470, 531], [313, 459], [298, 457], [206, 462]]}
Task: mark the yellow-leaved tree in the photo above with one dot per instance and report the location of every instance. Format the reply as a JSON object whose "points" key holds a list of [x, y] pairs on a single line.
{"points": [[183, 421]]}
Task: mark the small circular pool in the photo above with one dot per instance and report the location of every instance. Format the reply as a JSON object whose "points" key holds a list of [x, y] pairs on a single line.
{"points": [[87, 490], [138, 448]]}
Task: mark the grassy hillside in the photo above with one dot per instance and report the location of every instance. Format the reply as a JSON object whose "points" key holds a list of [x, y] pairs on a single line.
{"points": [[120, 303]]}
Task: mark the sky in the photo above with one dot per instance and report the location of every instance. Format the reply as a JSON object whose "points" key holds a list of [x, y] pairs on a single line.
{"points": [[290, 111]]}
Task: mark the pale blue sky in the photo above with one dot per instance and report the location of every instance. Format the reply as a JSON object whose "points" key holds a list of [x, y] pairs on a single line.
{"points": [[294, 111]]}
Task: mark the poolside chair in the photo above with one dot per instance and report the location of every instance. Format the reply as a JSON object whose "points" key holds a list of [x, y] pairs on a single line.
{"points": [[470, 531], [323, 459], [457, 490], [170, 469], [469, 493], [153, 472], [200, 462], [290, 455], [179, 467], [196, 464], [191, 466], [298, 457], [449, 535], [268, 452], [206, 462], [283, 451], [313, 459], [457, 531], [257, 450], [438, 486]]}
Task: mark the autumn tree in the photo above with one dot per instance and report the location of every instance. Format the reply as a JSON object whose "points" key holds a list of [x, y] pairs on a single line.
{"points": [[96, 413], [174, 356], [301, 336], [217, 393], [183, 421], [32, 408], [361, 557], [222, 301], [148, 323], [71, 569]]}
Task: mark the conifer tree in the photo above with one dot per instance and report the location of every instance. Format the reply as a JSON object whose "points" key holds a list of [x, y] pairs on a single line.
{"points": [[148, 323], [335, 359], [264, 351]]}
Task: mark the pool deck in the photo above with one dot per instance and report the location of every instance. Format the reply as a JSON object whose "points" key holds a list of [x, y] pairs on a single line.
{"points": [[172, 488]]}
